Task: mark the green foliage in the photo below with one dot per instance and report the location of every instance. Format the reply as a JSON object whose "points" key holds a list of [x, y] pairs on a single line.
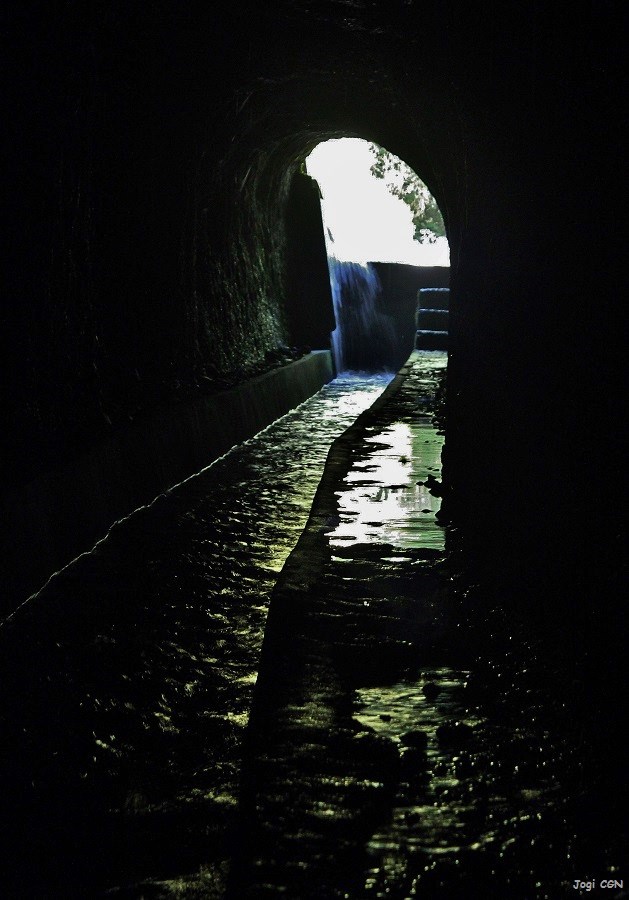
{"points": [[402, 182]]}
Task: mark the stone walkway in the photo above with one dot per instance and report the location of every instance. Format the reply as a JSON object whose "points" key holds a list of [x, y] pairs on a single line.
{"points": [[405, 740]]}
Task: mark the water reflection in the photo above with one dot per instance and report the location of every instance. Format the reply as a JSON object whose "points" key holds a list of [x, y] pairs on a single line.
{"points": [[147, 655], [406, 744], [386, 499]]}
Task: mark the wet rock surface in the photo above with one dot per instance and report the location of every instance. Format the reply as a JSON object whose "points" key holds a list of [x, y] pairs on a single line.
{"points": [[127, 683], [406, 740], [399, 736]]}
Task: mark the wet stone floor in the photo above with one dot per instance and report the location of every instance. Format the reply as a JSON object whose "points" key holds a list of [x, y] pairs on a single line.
{"points": [[214, 716], [127, 683], [406, 741]]}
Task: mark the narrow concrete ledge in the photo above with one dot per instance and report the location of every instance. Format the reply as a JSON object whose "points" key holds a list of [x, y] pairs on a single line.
{"points": [[50, 521]]}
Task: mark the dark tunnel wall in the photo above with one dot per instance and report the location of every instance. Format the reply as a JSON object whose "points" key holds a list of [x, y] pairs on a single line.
{"points": [[310, 313], [150, 154]]}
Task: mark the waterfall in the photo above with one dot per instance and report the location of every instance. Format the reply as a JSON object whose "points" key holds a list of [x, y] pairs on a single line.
{"points": [[364, 337]]}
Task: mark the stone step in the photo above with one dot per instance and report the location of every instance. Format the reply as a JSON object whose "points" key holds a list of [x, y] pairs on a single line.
{"points": [[431, 340], [432, 319], [433, 298]]}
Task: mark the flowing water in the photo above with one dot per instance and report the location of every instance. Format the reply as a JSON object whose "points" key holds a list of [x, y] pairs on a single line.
{"points": [[364, 335], [127, 682], [407, 739], [395, 737]]}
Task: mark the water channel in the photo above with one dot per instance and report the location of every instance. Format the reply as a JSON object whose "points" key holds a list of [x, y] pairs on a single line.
{"points": [[125, 735], [235, 699]]}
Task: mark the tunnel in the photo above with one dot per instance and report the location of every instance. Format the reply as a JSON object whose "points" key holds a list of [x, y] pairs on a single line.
{"points": [[166, 328]]}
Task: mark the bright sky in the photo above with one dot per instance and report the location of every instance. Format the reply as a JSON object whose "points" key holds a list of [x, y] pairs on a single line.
{"points": [[368, 223]]}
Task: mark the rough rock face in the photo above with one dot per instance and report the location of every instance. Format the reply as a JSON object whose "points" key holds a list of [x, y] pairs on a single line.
{"points": [[150, 156]]}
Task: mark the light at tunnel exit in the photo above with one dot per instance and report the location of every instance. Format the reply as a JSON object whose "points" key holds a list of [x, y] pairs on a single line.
{"points": [[363, 221]]}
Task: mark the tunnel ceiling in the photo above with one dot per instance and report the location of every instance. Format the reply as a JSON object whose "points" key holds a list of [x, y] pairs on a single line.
{"points": [[150, 152]]}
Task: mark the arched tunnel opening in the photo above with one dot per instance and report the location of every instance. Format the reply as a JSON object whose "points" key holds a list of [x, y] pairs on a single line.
{"points": [[266, 633], [376, 210]]}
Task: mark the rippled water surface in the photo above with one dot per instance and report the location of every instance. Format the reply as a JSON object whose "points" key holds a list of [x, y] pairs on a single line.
{"points": [[397, 735], [409, 739], [125, 734]]}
